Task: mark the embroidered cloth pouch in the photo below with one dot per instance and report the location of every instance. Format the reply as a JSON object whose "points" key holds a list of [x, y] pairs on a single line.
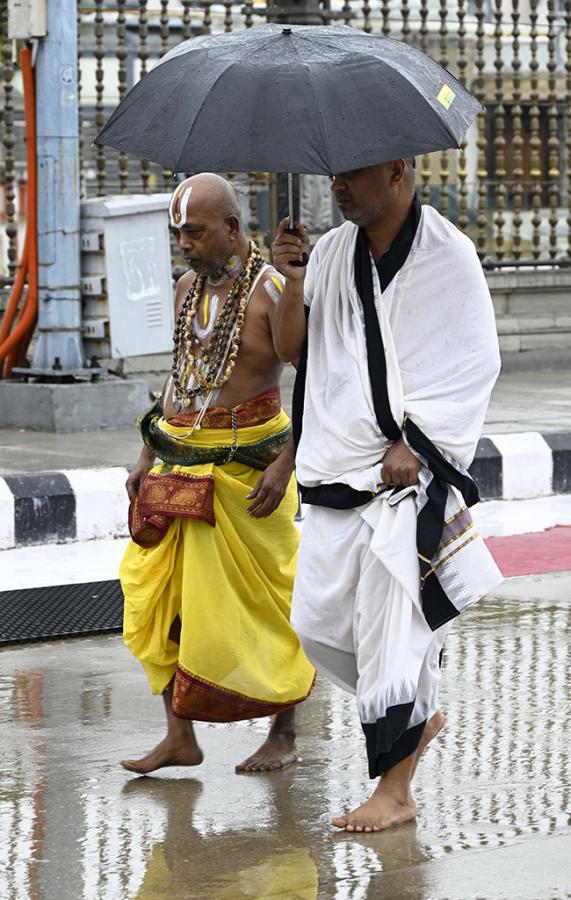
{"points": [[165, 495]]}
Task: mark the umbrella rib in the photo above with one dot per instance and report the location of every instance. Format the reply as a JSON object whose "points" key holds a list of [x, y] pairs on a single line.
{"points": [[271, 39], [307, 67], [268, 43], [392, 65], [199, 110], [321, 123], [332, 45], [426, 101]]}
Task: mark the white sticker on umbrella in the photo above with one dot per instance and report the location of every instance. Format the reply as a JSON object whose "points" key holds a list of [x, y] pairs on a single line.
{"points": [[446, 96]]}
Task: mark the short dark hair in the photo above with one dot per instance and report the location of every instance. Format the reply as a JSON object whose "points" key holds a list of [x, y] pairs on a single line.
{"points": [[411, 161]]}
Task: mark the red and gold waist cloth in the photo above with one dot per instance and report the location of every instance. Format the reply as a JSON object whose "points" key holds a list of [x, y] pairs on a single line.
{"points": [[256, 411], [252, 434]]}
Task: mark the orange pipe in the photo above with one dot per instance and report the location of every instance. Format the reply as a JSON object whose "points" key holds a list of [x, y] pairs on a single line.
{"points": [[17, 356], [18, 340], [12, 305], [28, 312]]}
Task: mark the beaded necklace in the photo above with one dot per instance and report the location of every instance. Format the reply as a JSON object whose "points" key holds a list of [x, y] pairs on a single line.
{"points": [[201, 370]]}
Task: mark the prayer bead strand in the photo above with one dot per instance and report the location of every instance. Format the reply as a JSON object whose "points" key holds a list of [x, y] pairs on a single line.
{"points": [[212, 368]]}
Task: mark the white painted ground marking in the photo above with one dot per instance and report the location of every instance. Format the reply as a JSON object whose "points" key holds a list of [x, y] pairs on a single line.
{"points": [[7, 538], [505, 517], [30, 567]]}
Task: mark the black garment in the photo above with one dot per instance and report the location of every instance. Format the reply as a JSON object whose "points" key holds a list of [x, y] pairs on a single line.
{"points": [[395, 257]]}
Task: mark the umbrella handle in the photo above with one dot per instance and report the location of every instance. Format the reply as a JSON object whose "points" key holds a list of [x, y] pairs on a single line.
{"points": [[298, 263]]}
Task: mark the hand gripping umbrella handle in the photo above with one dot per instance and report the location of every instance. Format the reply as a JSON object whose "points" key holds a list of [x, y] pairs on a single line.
{"points": [[298, 263]]}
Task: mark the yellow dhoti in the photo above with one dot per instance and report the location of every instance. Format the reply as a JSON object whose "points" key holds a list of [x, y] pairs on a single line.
{"points": [[229, 584]]}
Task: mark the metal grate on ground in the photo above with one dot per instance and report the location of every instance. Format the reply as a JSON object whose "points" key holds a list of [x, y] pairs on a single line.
{"points": [[68, 610]]}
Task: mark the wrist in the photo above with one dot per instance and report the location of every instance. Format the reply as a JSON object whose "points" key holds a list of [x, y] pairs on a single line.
{"points": [[286, 462], [294, 284], [147, 455]]}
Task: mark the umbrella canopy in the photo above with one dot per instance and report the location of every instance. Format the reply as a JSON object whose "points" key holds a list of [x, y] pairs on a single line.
{"points": [[276, 98]]}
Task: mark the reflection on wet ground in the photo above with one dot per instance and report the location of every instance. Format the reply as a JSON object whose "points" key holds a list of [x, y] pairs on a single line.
{"points": [[74, 825]]}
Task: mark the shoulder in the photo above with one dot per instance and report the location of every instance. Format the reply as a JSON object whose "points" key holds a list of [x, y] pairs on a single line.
{"points": [[184, 283], [183, 286], [329, 238], [327, 247], [445, 269], [271, 284], [438, 233]]}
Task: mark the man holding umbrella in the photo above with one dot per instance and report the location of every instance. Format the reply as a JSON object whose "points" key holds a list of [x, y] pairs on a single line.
{"points": [[394, 328]]}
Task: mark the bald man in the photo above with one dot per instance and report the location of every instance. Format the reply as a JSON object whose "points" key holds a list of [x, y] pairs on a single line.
{"points": [[208, 574]]}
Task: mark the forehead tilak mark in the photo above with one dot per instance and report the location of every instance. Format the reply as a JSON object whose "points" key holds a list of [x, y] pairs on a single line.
{"points": [[179, 205]]}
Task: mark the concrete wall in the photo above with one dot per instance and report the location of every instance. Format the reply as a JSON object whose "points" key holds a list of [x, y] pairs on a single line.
{"points": [[533, 314]]}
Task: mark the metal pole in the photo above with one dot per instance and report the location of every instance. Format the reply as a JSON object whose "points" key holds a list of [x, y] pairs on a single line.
{"points": [[290, 12], [59, 322], [290, 199]]}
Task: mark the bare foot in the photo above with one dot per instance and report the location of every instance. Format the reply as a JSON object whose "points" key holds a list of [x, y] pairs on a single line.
{"points": [[431, 729], [382, 811], [277, 752], [170, 752], [385, 808]]}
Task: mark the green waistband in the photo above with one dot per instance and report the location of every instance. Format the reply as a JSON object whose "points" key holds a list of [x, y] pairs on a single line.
{"points": [[179, 453]]}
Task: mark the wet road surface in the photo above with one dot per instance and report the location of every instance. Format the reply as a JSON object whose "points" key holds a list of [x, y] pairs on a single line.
{"points": [[494, 796]]}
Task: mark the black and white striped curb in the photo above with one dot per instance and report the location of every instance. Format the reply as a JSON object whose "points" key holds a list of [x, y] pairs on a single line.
{"points": [[70, 505], [87, 504], [523, 465]]}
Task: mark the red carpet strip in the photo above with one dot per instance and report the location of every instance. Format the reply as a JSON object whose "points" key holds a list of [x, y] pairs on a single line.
{"points": [[534, 553]]}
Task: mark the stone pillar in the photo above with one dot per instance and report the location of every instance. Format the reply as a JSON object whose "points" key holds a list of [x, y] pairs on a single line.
{"points": [[57, 112]]}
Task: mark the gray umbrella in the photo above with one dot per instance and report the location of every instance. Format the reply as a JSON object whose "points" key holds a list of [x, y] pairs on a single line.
{"points": [[301, 98]]}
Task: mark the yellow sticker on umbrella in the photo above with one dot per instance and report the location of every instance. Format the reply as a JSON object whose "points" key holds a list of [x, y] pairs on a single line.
{"points": [[446, 96]]}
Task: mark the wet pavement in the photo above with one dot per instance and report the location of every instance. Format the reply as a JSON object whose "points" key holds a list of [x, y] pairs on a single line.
{"points": [[494, 797], [521, 401]]}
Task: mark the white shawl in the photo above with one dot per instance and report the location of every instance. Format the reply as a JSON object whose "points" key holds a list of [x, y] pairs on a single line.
{"points": [[442, 359], [438, 329]]}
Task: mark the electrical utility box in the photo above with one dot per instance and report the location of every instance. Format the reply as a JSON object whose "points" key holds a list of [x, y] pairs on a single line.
{"points": [[26, 19], [126, 276]]}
